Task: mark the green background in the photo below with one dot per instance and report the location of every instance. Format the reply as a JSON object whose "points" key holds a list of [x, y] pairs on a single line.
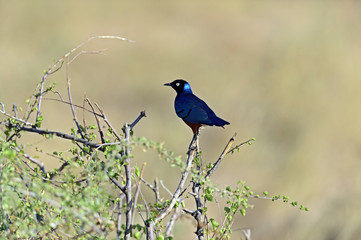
{"points": [[286, 73]]}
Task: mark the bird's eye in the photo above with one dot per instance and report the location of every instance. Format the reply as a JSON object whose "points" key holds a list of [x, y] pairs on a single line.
{"points": [[177, 84]]}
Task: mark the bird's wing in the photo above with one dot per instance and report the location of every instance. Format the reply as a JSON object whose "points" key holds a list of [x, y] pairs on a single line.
{"points": [[192, 109]]}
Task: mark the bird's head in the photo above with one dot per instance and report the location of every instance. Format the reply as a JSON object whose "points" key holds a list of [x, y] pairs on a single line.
{"points": [[180, 86]]}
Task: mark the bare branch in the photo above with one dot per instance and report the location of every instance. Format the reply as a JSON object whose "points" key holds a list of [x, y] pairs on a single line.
{"points": [[117, 184], [60, 62], [161, 183], [33, 160], [75, 105], [119, 218], [141, 115], [154, 188], [136, 194], [71, 100], [249, 141], [12, 117], [58, 134], [108, 123], [128, 177], [86, 52], [97, 120], [224, 152]]}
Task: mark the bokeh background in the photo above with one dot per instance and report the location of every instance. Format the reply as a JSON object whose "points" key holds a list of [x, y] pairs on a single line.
{"points": [[284, 72]]}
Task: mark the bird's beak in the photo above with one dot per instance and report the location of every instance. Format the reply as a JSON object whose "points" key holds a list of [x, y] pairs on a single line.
{"points": [[167, 84]]}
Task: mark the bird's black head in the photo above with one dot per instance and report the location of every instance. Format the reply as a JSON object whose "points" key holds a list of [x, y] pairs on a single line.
{"points": [[180, 86]]}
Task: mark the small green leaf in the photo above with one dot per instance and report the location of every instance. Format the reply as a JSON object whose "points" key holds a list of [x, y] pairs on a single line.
{"points": [[137, 235], [214, 224], [243, 212], [137, 171]]}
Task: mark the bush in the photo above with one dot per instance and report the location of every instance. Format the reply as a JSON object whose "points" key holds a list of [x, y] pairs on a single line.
{"points": [[96, 192]]}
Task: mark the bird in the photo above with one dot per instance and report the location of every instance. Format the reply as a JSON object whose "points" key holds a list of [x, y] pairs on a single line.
{"points": [[191, 109]]}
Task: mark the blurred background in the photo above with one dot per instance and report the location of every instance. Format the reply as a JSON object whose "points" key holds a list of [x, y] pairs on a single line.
{"points": [[285, 73]]}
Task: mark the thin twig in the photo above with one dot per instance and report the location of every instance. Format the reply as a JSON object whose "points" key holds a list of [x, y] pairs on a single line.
{"points": [[39, 164], [119, 218], [249, 141], [154, 188], [136, 194], [12, 117], [97, 120], [15, 112], [161, 183], [108, 123], [117, 184], [141, 115], [55, 67], [80, 131], [75, 105], [86, 52], [224, 152]]}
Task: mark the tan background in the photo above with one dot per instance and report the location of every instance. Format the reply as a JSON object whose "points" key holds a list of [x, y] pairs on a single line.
{"points": [[287, 74]]}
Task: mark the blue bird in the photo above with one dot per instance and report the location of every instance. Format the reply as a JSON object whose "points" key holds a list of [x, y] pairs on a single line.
{"points": [[191, 109]]}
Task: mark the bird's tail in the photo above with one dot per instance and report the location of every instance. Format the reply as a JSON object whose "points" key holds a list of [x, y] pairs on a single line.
{"points": [[219, 122]]}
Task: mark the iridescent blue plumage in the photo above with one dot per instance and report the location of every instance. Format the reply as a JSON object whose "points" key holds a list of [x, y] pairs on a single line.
{"points": [[194, 111]]}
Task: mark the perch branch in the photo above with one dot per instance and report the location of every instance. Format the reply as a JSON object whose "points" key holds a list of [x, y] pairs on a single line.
{"points": [[185, 174]]}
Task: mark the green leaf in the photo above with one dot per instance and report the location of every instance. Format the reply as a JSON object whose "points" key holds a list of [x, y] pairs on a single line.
{"points": [[214, 224], [38, 121], [243, 212], [137, 171], [137, 235], [209, 197]]}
